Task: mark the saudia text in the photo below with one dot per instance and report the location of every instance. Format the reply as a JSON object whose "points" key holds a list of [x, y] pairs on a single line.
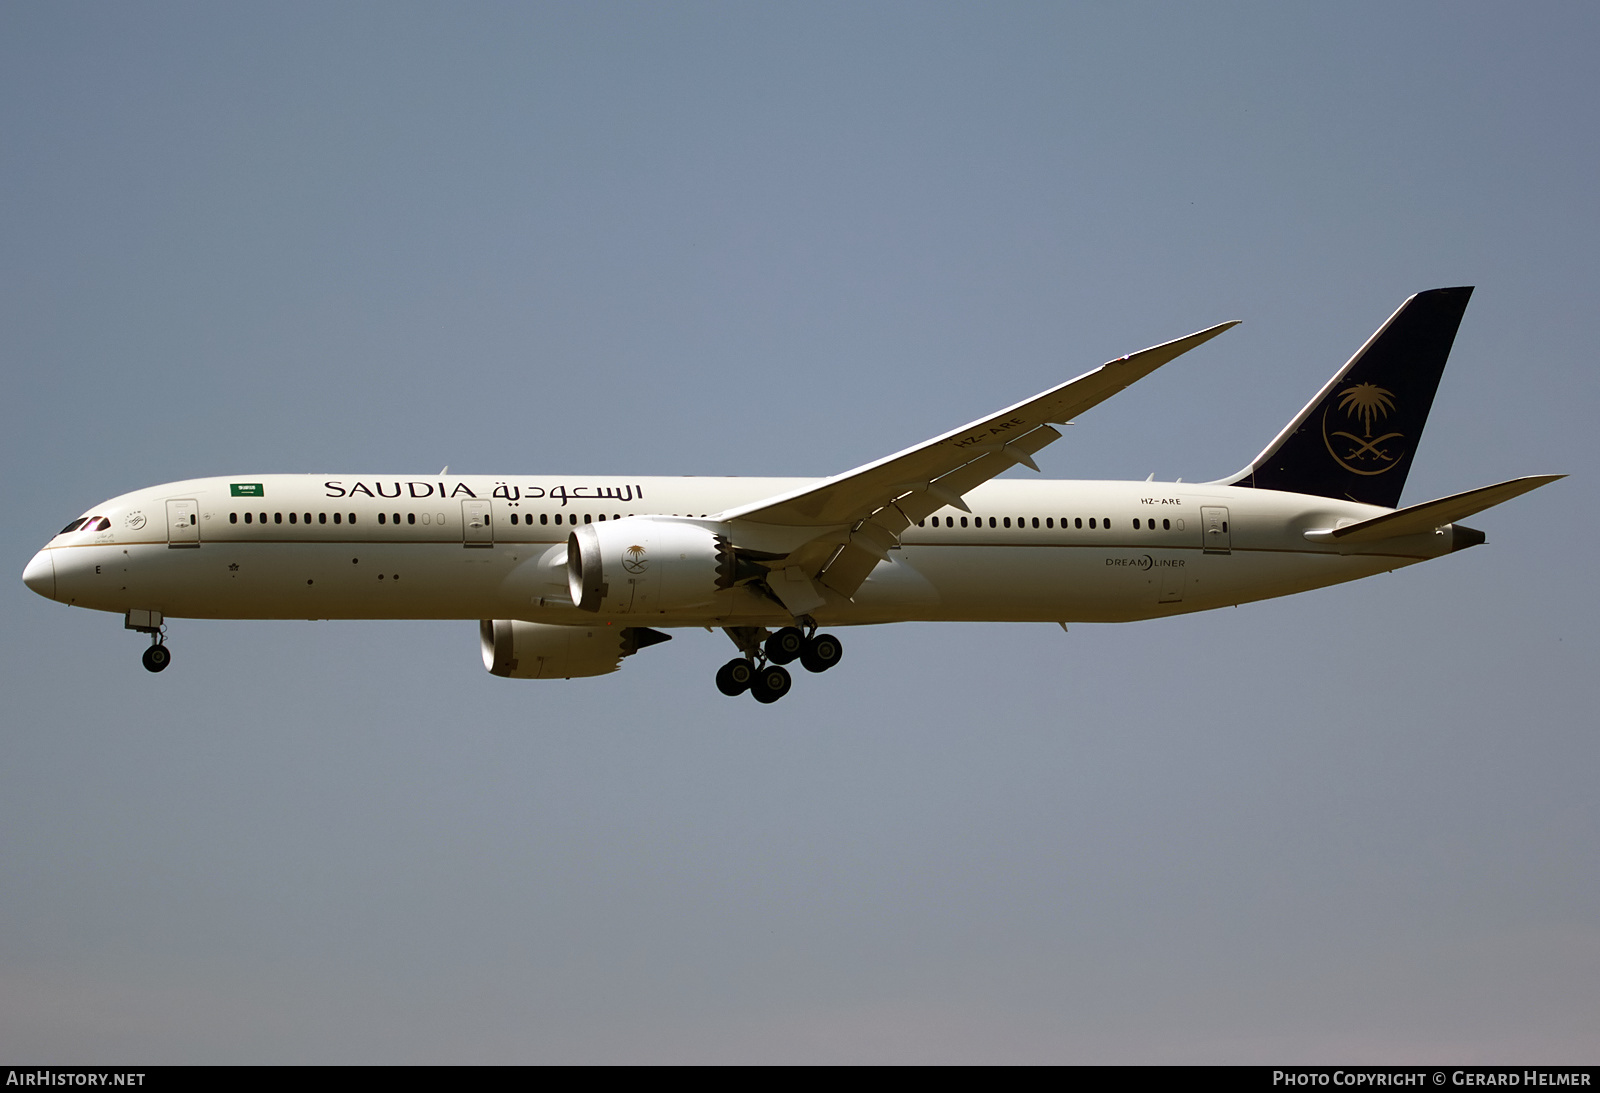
{"points": [[502, 490]]}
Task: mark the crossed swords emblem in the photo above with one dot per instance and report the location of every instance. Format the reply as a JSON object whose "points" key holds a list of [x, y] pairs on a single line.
{"points": [[1362, 447]]}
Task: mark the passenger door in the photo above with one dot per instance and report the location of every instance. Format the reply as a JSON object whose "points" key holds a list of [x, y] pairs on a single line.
{"points": [[477, 523], [183, 523], [1216, 538]]}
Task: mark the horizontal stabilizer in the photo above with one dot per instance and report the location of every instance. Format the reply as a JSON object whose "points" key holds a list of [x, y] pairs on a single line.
{"points": [[1424, 518]]}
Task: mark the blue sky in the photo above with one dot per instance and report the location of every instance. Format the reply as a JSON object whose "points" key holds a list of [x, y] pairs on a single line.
{"points": [[1354, 825]]}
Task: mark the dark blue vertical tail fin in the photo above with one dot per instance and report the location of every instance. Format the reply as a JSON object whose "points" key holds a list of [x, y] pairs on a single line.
{"points": [[1356, 438]]}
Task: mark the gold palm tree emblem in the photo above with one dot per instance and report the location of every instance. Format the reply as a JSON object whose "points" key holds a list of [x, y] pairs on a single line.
{"points": [[633, 559], [1367, 402]]}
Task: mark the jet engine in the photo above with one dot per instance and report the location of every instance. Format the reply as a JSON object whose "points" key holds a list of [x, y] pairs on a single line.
{"points": [[647, 565], [537, 650]]}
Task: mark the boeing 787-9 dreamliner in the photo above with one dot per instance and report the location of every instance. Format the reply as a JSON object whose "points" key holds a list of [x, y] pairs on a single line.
{"points": [[570, 575]]}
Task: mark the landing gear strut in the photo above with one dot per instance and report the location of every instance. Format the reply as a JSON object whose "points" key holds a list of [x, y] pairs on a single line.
{"points": [[760, 671]]}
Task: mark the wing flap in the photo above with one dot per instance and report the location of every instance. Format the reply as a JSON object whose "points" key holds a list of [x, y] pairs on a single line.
{"points": [[871, 541]]}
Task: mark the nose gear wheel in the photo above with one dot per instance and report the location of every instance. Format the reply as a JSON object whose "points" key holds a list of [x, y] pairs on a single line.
{"points": [[158, 656]]}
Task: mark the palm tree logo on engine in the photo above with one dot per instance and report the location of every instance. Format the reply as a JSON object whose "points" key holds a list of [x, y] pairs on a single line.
{"points": [[633, 559], [1367, 405]]}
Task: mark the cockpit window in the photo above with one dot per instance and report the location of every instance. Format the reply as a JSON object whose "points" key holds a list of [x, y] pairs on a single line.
{"points": [[87, 523], [75, 525]]}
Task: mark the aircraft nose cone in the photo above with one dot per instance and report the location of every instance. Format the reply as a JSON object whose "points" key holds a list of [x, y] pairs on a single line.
{"points": [[41, 575]]}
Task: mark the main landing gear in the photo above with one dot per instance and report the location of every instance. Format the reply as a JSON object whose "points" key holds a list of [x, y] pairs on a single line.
{"points": [[158, 656], [760, 671]]}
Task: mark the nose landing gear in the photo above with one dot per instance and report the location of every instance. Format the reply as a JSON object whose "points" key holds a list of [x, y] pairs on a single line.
{"points": [[158, 656]]}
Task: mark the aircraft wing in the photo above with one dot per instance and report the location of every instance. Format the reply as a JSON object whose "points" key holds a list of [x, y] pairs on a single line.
{"points": [[876, 502]]}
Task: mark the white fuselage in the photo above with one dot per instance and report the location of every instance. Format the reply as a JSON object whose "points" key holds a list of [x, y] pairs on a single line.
{"points": [[478, 547]]}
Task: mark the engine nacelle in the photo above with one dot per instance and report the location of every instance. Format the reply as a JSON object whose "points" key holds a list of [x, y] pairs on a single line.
{"points": [[647, 565], [537, 650]]}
